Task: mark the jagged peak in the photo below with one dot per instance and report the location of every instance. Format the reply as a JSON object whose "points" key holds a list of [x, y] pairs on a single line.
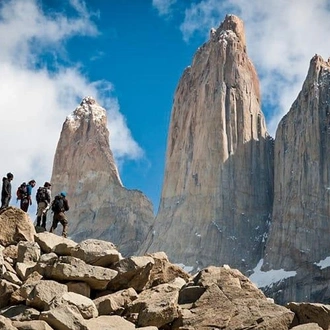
{"points": [[317, 65], [88, 109], [318, 60], [231, 25]]}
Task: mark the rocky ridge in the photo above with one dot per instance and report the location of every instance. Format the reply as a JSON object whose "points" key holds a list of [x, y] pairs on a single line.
{"points": [[85, 167], [50, 282]]}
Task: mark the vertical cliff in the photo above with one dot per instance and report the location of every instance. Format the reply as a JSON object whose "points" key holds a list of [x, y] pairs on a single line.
{"points": [[84, 166], [300, 227], [217, 192]]}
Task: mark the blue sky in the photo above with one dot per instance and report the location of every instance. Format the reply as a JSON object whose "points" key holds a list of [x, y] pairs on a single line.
{"points": [[129, 55]]}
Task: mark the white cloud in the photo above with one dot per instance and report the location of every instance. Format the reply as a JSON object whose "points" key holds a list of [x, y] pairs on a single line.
{"points": [[282, 37], [35, 101], [163, 6]]}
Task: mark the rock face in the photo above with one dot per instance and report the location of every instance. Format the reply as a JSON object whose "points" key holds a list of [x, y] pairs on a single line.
{"points": [[100, 207], [299, 233], [217, 192]]}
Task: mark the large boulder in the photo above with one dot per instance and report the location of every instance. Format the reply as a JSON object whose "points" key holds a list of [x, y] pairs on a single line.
{"points": [[97, 252], [16, 226], [229, 300]]}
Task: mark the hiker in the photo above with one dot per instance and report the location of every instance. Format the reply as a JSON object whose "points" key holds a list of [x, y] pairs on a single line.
{"points": [[6, 190], [43, 198], [59, 206], [26, 199]]}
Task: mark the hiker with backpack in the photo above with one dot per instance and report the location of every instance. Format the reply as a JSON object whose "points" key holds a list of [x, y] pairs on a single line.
{"points": [[43, 197], [24, 194], [6, 190], [59, 205]]}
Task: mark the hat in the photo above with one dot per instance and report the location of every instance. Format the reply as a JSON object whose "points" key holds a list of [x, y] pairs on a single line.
{"points": [[63, 193], [47, 184]]}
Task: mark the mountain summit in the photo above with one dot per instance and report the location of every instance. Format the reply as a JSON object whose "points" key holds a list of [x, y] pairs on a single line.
{"points": [[85, 167], [217, 191]]}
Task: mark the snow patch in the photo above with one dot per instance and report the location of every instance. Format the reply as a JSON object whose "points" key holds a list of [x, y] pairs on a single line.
{"points": [[187, 269], [262, 279], [323, 263]]}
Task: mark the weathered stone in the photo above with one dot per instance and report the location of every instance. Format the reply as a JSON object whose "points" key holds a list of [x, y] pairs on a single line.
{"points": [[23, 270], [20, 313], [79, 287], [33, 277], [84, 166], [11, 252], [16, 226], [49, 242], [97, 252], [190, 294], [133, 272], [163, 271], [156, 306], [41, 296], [20, 295], [310, 313], [9, 267], [32, 325], [5, 324], [73, 269], [112, 322], [28, 252], [115, 302], [218, 185], [64, 318], [6, 290], [85, 305], [229, 301], [11, 277]]}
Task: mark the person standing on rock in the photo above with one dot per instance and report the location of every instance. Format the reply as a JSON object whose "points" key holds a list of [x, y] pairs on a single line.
{"points": [[6, 190], [59, 206], [43, 198], [26, 201]]}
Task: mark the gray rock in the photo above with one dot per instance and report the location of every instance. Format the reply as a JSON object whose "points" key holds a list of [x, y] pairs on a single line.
{"points": [[85, 305], [32, 325], [43, 293], [218, 186], [28, 252], [97, 252], [85, 167], [115, 303], [16, 226], [74, 269], [64, 318]]}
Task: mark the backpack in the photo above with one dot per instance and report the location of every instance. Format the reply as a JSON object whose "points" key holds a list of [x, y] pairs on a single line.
{"points": [[42, 195], [58, 204], [21, 192]]}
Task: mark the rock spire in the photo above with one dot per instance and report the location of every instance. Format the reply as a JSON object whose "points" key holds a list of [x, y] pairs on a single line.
{"points": [[84, 166], [299, 233], [217, 191]]}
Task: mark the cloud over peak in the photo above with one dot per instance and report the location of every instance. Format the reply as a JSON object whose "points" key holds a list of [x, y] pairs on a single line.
{"points": [[38, 91]]}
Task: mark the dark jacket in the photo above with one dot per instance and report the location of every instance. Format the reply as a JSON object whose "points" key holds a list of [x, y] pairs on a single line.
{"points": [[56, 208], [66, 204], [6, 187]]}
